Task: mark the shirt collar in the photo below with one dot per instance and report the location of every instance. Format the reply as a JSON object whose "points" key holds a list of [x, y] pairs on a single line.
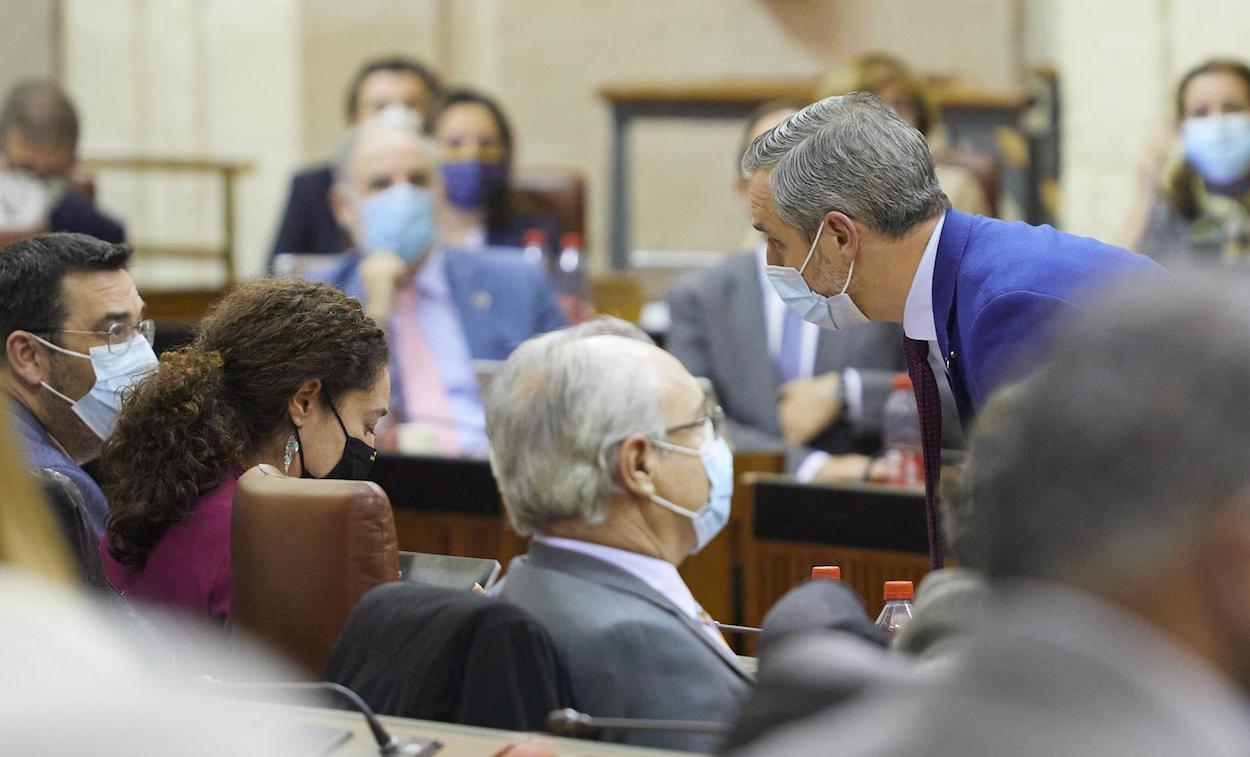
{"points": [[660, 575], [918, 310]]}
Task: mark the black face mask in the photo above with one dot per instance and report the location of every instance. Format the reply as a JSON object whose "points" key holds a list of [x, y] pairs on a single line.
{"points": [[356, 463]]}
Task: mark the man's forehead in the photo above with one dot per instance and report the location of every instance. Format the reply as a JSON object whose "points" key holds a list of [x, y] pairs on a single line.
{"points": [[390, 151], [91, 295], [760, 192]]}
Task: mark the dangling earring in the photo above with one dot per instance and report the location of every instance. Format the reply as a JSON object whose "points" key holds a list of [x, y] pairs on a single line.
{"points": [[292, 446]]}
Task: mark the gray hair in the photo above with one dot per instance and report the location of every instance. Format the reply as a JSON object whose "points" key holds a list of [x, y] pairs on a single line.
{"points": [[42, 112], [1121, 448], [851, 154], [559, 402], [386, 120]]}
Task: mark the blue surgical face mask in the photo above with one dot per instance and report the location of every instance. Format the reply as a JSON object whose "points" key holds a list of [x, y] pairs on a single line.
{"points": [[400, 218], [1218, 146], [115, 374], [718, 462], [469, 184], [833, 313]]}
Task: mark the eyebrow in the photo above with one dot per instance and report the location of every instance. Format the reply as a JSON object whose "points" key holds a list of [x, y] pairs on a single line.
{"points": [[758, 228], [112, 317]]}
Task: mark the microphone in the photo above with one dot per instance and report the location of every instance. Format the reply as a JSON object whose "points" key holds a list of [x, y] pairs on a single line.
{"points": [[388, 745], [731, 628], [570, 723]]}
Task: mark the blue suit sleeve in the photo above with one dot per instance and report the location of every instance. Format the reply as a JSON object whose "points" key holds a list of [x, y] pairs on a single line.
{"points": [[1007, 337]]}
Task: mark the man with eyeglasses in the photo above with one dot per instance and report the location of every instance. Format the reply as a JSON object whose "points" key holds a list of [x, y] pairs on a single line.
{"points": [[609, 454], [75, 342]]}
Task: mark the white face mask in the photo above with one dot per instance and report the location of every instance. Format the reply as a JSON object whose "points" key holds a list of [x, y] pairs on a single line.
{"points": [[718, 463], [114, 375], [833, 313]]}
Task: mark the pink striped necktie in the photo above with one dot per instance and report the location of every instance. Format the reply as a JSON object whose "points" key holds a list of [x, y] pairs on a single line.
{"points": [[426, 400]]}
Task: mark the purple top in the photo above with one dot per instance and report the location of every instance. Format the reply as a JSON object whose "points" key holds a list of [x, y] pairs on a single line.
{"points": [[190, 566]]}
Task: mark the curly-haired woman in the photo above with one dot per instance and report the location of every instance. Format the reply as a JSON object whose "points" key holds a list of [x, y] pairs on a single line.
{"points": [[284, 372]]}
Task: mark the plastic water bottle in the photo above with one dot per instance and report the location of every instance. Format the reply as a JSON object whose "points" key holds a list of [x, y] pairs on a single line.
{"points": [[534, 246], [569, 275], [827, 573], [897, 610], [904, 458]]}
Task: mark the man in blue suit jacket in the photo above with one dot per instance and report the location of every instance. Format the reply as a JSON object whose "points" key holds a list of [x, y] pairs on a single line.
{"points": [[858, 229], [442, 308], [845, 192]]}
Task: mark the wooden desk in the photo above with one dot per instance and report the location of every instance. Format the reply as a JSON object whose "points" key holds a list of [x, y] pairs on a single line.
{"points": [[875, 533], [458, 740], [975, 119]]}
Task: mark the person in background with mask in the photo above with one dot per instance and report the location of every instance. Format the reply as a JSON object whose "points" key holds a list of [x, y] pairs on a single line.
{"points": [[442, 309], [858, 230], [475, 155], [75, 339], [609, 454], [38, 154], [1194, 202], [285, 372], [394, 82]]}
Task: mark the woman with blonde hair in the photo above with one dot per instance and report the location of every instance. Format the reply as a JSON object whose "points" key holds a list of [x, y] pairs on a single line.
{"points": [[893, 82]]}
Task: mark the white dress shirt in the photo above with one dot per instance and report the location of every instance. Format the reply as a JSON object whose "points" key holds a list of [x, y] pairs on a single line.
{"points": [[918, 320], [660, 575]]}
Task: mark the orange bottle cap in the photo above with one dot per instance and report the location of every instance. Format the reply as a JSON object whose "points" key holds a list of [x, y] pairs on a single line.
{"points": [[898, 590], [828, 572]]}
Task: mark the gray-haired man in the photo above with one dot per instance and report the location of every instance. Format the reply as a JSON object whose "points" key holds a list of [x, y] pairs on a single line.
{"points": [[1109, 504], [858, 229], [607, 452]]}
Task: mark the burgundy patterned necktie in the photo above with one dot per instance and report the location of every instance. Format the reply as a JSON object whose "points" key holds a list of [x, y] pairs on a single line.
{"points": [[929, 406]]}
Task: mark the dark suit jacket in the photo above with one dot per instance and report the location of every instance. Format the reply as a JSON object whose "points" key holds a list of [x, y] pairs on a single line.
{"points": [[718, 331], [419, 651], [629, 652], [997, 288], [308, 224], [77, 213]]}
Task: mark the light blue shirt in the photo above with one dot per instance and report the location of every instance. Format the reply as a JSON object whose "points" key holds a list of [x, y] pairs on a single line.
{"points": [[439, 321]]}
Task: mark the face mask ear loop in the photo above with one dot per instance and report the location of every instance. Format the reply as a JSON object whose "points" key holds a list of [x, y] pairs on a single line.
{"points": [[812, 251]]}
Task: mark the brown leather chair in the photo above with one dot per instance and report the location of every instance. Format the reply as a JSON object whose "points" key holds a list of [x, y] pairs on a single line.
{"points": [[552, 191], [303, 552]]}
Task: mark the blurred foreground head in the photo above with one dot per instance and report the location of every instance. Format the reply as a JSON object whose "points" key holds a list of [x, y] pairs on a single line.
{"points": [[1122, 466]]}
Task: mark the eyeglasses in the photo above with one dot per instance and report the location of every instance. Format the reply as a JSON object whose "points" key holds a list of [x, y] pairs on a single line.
{"points": [[715, 416], [119, 335]]}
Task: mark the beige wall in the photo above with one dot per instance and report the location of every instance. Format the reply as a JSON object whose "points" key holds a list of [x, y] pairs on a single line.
{"points": [[264, 81], [27, 40]]}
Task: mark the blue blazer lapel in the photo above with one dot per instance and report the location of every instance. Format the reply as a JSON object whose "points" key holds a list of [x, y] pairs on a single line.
{"points": [[956, 231]]}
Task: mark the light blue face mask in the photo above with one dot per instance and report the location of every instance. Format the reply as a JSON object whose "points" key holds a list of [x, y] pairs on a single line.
{"points": [[400, 218], [115, 374], [832, 313], [1218, 146], [718, 462]]}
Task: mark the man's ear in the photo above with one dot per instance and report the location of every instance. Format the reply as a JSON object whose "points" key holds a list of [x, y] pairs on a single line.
{"points": [[632, 466], [27, 362], [840, 228], [301, 404], [1226, 564]]}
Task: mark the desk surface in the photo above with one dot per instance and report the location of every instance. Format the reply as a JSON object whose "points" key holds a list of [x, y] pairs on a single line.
{"points": [[458, 740]]}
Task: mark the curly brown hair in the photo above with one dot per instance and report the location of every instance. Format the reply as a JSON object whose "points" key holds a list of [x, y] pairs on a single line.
{"points": [[219, 400]]}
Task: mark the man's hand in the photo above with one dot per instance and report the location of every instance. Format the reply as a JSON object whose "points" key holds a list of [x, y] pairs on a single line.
{"points": [[381, 273], [809, 406], [841, 468]]}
